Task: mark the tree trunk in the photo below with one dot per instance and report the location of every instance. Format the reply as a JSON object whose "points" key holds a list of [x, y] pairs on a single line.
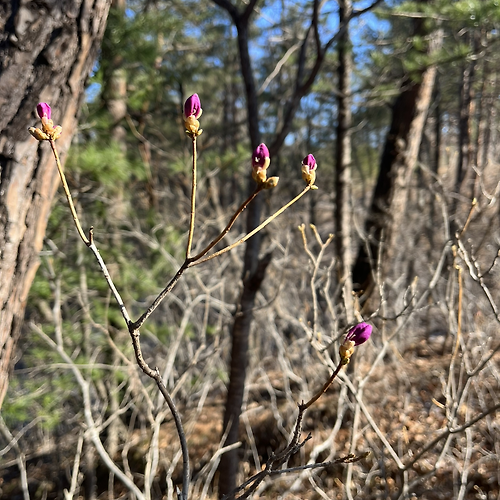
{"points": [[47, 50], [254, 268], [343, 161], [253, 275], [397, 162], [484, 106], [437, 126], [465, 174], [115, 81]]}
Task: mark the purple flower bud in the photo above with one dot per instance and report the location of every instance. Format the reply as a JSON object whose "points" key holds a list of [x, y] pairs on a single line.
{"points": [[43, 110], [310, 162], [192, 107], [260, 158], [360, 333]]}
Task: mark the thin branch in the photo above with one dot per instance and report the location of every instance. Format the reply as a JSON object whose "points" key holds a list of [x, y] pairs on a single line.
{"points": [[193, 198], [68, 194], [134, 326], [256, 230], [245, 16], [68, 495], [277, 68], [446, 432], [230, 9], [360, 12], [228, 227], [348, 459], [372, 423], [304, 406], [108, 279]]}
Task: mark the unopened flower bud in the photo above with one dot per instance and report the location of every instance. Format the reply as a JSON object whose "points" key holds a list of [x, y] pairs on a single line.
{"points": [[357, 335], [48, 130], [192, 107], [43, 110], [260, 162], [271, 182], [192, 111], [309, 166], [346, 350]]}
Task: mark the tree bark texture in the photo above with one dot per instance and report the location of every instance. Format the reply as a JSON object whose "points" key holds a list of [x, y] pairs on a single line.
{"points": [[397, 162], [47, 50]]}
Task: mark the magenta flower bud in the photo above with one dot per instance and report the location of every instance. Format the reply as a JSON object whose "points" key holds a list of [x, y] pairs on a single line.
{"points": [[360, 333], [192, 107], [309, 166], [260, 162], [43, 110], [310, 162], [260, 157]]}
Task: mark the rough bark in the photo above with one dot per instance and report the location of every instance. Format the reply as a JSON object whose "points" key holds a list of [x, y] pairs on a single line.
{"points": [[47, 50]]}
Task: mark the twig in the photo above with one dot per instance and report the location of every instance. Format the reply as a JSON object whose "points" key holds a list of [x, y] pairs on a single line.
{"points": [[67, 193], [193, 198], [348, 459], [304, 406], [20, 458], [256, 230], [315, 261], [450, 430], [214, 463], [373, 425], [68, 495], [228, 227]]}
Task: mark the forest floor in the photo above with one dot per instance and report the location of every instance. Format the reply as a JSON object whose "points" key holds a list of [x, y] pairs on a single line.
{"points": [[405, 398]]}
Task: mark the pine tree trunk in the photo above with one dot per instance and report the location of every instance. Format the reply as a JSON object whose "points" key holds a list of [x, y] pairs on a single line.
{"points": [[343, 161], [397, 162], [47, 50], [464, 182]]}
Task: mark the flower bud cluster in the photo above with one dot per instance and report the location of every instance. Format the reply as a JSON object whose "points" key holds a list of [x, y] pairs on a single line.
{"points": [[48, 130], [357, 335], [260, 163], [192, 111]]}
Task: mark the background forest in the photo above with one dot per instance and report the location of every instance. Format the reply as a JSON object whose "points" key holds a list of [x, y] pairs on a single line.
{"points": [[398, 102]]}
